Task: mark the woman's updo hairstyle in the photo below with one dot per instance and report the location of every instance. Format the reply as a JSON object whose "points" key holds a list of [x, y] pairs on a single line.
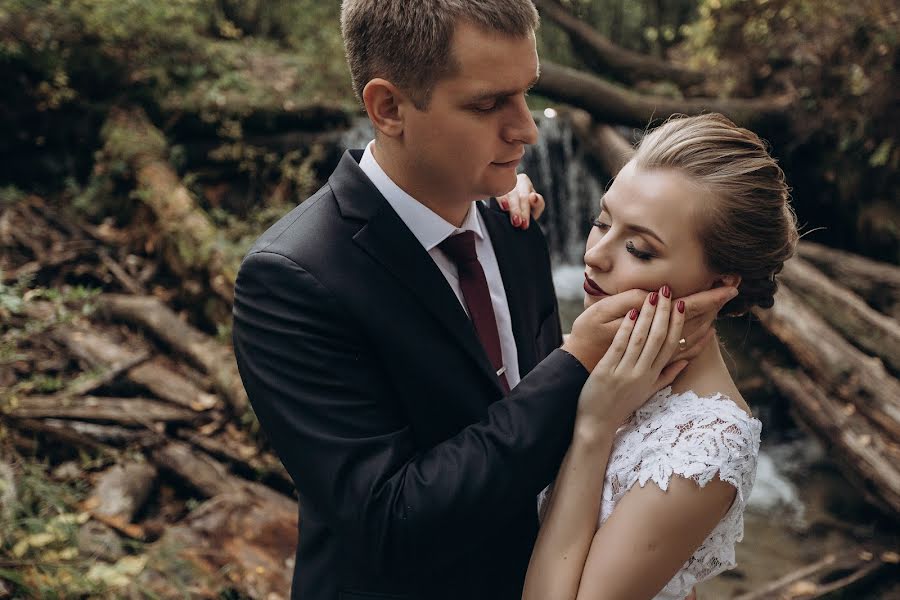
{"points": [[749, 229]]}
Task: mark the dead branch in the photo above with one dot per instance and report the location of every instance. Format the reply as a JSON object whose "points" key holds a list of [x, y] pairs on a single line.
{"points": [[831, 573], [606, 58]]}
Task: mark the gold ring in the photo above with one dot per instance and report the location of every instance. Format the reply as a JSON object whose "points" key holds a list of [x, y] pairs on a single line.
{"points": [[682, 344]]}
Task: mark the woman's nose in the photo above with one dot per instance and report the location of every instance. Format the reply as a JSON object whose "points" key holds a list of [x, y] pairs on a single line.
{"points": [[597, 257]]}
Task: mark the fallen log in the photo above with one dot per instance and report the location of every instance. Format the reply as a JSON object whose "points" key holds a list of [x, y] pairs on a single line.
{"points": [[251, 536], [877, 282], [121, 490], [119, 494], [868, 457], [169, 385], [613, 104], [99, 350], [606, 58], [877, 334], [202, 472], [192, 242], [214, 358], [97, 433], [833, 362], [123, 411], [248, 456], [112, 358], [603, 142]]}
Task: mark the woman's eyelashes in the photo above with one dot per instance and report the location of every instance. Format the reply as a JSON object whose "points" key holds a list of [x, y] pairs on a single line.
{"points": [[639, 254], [629, 245]]}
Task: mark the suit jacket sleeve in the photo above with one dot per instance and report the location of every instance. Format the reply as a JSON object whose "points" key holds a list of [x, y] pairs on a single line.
{"points": [[318, 393]]}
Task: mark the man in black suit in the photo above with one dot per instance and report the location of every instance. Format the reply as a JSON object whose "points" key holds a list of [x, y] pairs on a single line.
{"points": [[378, 360]]}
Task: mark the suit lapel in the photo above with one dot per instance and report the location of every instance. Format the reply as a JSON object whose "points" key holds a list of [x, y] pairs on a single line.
{"points": [[515, 273], [388, 241]]}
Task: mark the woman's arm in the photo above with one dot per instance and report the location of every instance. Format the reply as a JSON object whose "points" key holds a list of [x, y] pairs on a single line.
{"points": [[649, 536], [624, 378]]}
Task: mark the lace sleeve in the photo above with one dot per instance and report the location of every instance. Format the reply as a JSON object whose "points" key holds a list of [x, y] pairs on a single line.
{"points": [[696, 442]]}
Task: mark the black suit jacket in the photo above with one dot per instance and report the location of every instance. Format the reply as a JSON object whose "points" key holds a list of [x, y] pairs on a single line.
{"points": [[416, 477]]}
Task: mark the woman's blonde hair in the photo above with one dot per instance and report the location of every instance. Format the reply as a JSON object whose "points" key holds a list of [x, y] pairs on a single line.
{"points": [[750, 229]]}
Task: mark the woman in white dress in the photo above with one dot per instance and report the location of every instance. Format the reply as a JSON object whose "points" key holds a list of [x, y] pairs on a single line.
{"points": [[649, 499]]}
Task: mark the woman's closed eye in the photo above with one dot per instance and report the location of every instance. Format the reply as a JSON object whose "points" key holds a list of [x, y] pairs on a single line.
{"points": [[629, 245]]}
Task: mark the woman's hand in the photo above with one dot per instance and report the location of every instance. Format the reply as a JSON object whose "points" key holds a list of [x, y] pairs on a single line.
{"points": [[635, 366], [522, 203]]}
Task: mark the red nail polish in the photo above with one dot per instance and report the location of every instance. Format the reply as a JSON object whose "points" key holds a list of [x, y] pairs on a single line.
{"points": [[654, 298], [504, 204], [633, 314], [515, 220], [681, 306], [666, 291]]}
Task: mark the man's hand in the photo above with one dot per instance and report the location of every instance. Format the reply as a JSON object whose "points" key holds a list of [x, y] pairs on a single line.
{"points": [[594, 329], [522, 203]]}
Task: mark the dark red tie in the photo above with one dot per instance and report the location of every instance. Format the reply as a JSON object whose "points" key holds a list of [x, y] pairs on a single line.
{"points": [[461, 250]]}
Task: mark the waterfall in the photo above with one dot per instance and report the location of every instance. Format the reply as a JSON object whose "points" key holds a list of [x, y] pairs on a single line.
{"points": [[570, 185]]}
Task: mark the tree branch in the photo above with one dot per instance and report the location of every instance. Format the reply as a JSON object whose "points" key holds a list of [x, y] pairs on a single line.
{"points": [[606, 58], [613, 104]]}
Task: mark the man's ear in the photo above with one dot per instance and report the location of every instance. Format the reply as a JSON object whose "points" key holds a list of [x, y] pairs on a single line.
{"points": [[384, 104], [730, 280]]}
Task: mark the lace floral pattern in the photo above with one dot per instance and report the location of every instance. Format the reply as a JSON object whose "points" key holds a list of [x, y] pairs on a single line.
{"points": [[698, 438]]}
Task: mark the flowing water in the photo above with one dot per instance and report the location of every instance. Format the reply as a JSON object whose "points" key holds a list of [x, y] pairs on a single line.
{"points": [[801, 507]]}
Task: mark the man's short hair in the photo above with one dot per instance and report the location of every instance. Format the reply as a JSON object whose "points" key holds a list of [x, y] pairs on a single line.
{"points": [[408, 42]]}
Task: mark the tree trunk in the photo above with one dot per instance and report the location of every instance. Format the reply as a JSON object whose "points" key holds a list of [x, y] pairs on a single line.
{"points": [[877, 334], [834, 362], [877, 282], [851, 438], [613, 104]]}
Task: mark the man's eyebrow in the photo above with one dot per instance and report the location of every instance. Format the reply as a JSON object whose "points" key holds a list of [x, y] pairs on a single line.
{"points": [[631, 226], [489, 95]]}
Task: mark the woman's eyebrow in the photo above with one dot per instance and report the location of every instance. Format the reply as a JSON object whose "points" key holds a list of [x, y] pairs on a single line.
{"points": [[638, 228]]}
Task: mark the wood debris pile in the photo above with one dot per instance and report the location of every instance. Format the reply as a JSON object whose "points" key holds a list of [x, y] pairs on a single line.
{"points": [[122, 376]]}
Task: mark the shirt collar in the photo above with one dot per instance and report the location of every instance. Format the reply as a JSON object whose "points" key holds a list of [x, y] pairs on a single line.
{"points": [[428, 227]]}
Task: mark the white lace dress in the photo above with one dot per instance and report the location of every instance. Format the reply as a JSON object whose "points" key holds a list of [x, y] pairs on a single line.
{"points": [[697, 438]]}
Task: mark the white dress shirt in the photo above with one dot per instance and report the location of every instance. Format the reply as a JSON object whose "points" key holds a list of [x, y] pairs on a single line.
{"points": [[431, 229]]}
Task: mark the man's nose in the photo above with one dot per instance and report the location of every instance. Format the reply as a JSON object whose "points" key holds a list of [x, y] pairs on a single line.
{"points": [[522, 128]]}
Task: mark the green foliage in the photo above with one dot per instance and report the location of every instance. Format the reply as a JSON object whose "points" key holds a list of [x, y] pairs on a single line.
{"points": [[836, 60], [40, 534]]}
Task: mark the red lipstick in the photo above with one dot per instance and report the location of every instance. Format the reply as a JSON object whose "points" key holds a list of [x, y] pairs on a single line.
{"points": [[592, 288]]}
